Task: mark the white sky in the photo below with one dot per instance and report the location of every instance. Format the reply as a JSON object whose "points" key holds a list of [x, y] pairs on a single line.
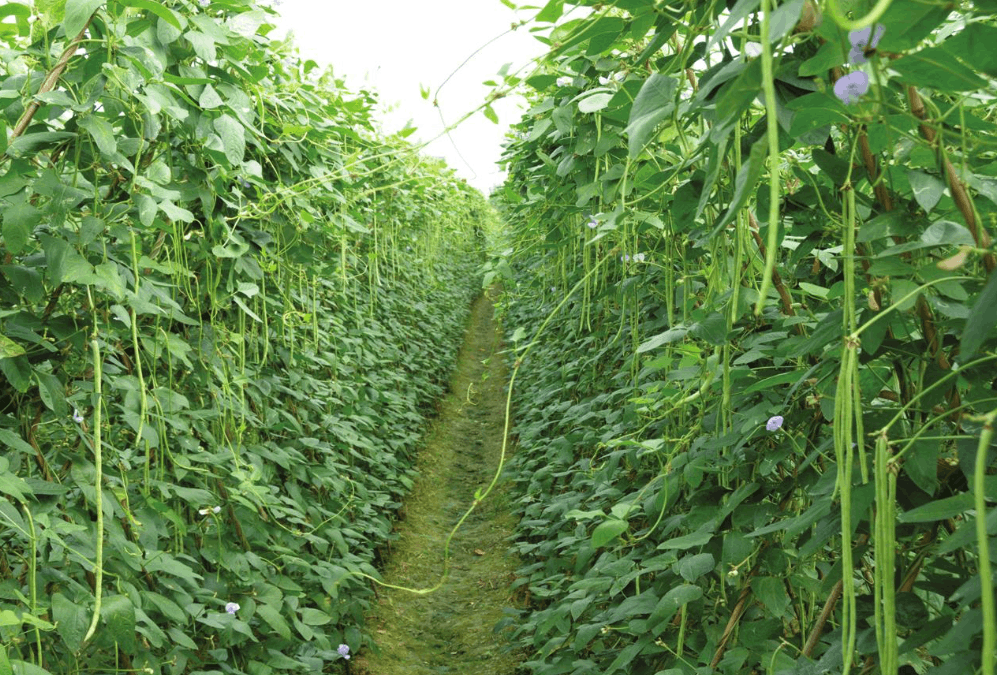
{"points": [[394, 46]]}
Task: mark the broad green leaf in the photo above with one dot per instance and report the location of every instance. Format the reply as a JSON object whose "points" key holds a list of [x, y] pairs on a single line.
{"points": [[974, 44], [828, 56], [670, 335], [691, 567], [118, 615], [654, 103], [273, 617], [940, 509], [551, 12], [204, 45], [934, 67], [982, 320], [71, 621], [156, 8], [314, 617], [25, 145], [147, 208], [9, 348], [233, 136], [927, 189], [19, 222], [594, 102], [52, 393], [210, 98], [737, 96], [672, 601], [772, 593], [5, 667], [27, 668], [607, 531], [687, 541], [102, 133], [78, 13]]}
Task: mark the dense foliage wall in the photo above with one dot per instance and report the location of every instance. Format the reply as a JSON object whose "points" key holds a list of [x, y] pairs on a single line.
{"points": [[729, 467], [228, 302]]}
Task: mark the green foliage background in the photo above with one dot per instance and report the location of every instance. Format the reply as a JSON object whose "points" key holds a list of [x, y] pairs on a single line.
{"points": [[665, 529], [274, 291]]}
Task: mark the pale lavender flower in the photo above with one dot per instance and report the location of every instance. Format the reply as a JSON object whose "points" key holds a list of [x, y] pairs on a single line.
{"points": [[231, 607], [774, 423], [344, 651], [639, 257], [851, 87], [592, 223], [77, 417], [205, 3], [246, 183], [860, 38], [564, 81]]}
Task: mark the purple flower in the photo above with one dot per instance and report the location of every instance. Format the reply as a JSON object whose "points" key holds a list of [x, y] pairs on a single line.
{"points": [[860, 38], [205, 3], [851, 87], [246, 183], [592, 223], [231, 607], [774, 423], [639, 257], [77, 417], [344, 651], [856, 55]]}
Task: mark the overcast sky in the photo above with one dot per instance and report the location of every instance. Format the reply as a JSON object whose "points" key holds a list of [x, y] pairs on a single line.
{"points": [[395, 46]]}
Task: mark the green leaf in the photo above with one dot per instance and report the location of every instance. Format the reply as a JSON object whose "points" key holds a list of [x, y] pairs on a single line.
{"points": [[19, 222], [737, 96], [653, 104], [210, 98], [71, 621], [233, 136], [5, 668], [78, 13], [934, 67], [691, 567], [118, 615], [712, 329], [607, 531], [52, 393], [22, 146], [9, 348], [273, 617], [156, 8], [314, 617], [670, 335], [927, 189], [102, 133], [551, 12], [670, 604], [940, 509], [594, 102], [974, 44], [772, 593], [981, 320], [828, 56], [687, 541]]}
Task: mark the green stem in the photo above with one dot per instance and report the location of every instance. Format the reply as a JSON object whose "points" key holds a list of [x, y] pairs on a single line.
{"points": [[839, 18]]}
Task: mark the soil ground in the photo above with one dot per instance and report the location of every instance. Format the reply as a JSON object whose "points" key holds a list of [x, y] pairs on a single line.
{"points": [[451, 630]]}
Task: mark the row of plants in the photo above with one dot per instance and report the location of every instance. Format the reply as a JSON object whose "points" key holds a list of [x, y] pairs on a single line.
{"points": [[227, 305], [751, 295]]}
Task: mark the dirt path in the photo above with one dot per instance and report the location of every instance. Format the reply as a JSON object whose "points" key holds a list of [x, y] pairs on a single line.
{"points": [[451, 630]]}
